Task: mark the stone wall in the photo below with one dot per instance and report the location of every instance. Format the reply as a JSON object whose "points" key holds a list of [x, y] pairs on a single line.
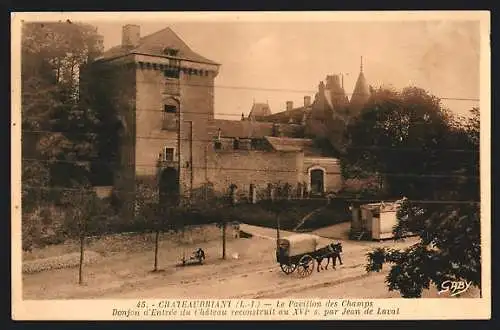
{"points": [[151, 139], [245, 167], [195, 102], [197, 109]]}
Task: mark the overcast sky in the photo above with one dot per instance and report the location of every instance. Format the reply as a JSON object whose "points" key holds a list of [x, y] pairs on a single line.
{"points": [[440, 56]]}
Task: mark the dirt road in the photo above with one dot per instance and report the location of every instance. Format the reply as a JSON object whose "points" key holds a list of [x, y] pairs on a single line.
{"points": [[250, 271]]}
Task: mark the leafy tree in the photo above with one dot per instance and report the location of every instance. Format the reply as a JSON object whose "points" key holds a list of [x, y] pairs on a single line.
{"points": [[107, 97], [449, 248], [34, 176], [403, 137], [57, 125], [423, 153]]}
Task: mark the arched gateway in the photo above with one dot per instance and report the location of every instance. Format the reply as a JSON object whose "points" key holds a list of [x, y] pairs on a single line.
{"points": [[169, 186]]}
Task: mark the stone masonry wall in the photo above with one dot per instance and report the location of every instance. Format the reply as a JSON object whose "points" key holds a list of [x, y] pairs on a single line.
{"points": [[196, 108], [150, 137], [245, 167]]}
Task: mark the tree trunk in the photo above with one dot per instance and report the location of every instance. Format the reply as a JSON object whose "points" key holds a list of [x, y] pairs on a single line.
{"points": [[224, 240], [157, 238], [278, 225], [80, 270]]}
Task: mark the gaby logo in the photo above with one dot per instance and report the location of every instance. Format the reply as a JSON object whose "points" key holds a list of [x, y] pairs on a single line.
{"points": [[454, 287]]}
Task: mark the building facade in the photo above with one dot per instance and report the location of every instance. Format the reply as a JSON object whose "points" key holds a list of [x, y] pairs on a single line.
{"points": [[163, 93]]}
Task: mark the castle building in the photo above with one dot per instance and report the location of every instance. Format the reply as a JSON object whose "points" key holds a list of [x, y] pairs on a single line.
{"points": [[163, 93], [329, 113]]}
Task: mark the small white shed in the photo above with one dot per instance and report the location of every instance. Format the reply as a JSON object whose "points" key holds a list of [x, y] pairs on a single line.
{"points": [[375, 219]]}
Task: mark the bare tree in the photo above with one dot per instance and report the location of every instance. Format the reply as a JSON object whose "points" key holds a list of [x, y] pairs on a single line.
{"points": [[85, 210]]}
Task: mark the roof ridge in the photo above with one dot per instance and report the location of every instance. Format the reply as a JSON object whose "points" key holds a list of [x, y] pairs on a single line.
{"points": [[168, 28], [149, 45]]}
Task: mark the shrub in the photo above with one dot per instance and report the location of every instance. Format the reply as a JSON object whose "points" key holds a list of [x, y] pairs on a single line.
{"points": [[43, 226], [70, 260]]}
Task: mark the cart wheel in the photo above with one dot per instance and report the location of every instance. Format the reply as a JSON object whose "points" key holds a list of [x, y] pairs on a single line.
{"points": [[306, 266], [288, 268]]}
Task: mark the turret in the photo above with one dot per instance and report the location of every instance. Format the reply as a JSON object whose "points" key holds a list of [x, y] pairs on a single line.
{"points": [[361, 92]]}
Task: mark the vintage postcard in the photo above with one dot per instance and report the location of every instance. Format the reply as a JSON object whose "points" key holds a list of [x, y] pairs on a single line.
{"points": [[251, 165]]}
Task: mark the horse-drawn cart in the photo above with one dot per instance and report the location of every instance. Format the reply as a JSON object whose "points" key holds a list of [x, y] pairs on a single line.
{"points": [[297, 252]]}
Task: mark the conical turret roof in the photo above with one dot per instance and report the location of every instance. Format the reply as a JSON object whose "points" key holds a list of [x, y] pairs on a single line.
{"points": [[361, 91], [259, 110]]}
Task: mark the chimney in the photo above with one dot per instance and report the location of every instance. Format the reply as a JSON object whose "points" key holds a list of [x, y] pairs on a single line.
{"points": [[332, 81], [336, 80], [289, 105], [307, 101], [130, 35], [321, 87]]}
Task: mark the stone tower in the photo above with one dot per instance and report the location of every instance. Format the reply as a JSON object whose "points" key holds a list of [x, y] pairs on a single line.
{"points": [[163, 93]]}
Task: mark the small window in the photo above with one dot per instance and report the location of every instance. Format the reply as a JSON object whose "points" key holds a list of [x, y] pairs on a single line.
{"points": [[236, 143], [169, 108], [172, 73], [169, 154], [217, 145]]}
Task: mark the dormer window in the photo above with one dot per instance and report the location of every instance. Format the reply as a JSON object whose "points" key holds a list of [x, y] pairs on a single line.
{"points": [[170, 51]]}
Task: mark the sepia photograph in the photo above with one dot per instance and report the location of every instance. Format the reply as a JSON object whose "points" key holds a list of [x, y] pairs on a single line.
{"points": [[217, 166]]}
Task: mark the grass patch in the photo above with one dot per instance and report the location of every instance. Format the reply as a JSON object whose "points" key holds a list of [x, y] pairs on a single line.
{"points": [[290, 214], [336, 212]]}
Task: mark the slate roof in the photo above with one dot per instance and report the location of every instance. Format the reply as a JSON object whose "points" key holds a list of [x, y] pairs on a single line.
{"points": [[361, 91], [259, 110], [293, 144], [288, 144], [154, 44], [242, 128], [250, 129], [295, 114]]}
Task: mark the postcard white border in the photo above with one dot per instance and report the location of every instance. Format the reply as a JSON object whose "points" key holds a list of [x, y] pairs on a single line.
{"points": [[101, 309]]}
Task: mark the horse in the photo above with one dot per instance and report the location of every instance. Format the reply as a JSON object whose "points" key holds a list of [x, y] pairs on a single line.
{"points": [[337, 250], [331, 251]]}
